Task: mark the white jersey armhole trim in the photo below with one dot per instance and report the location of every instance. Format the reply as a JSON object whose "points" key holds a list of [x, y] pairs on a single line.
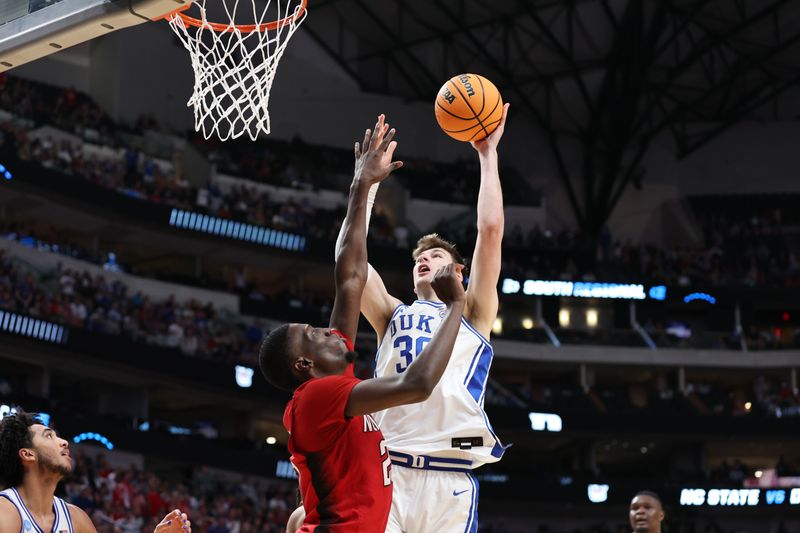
{"points": [[441, 305], [394, 314], [67, 515], [473, 330]]}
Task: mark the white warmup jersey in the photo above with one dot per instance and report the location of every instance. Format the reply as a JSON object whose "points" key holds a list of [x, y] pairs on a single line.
{"points": [[451, 424], [61, 524]]}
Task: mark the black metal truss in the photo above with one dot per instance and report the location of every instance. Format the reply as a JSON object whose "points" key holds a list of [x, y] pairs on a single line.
{"points": [[603, 78]]}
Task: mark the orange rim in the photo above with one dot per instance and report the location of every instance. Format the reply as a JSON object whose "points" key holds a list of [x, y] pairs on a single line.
{"points": [[244, 28]]}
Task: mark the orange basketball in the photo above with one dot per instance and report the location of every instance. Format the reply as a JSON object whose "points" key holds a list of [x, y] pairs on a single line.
{"points": [[468, 107]]}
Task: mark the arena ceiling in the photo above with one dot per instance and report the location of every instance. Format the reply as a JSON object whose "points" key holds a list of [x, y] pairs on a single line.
{"points": [[607, 76]]}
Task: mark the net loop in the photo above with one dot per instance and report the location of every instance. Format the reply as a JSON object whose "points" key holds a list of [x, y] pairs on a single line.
{"points": [[235, 64]]}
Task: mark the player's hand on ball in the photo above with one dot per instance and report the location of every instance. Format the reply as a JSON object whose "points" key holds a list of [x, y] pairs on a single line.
{"points": [[447, 284], [175, 522], [374, 156], [490, 142]]}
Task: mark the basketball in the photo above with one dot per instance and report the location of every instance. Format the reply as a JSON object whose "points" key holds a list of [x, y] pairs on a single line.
{"points": [[468, 107]]}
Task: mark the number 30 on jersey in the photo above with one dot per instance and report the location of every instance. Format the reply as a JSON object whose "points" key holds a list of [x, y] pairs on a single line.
{"points": [[409, 349]]}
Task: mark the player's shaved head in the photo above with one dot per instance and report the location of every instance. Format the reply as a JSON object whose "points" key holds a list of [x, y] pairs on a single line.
{"points": [[275, 359]]}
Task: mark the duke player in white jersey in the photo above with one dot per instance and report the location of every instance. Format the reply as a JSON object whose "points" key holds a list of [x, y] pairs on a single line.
{"points": [[33, 459], [436, 444]]}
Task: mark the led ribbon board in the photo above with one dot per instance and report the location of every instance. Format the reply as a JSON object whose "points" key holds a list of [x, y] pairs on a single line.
{"points": [[244, 376], [785, 497], [8, 410], [583, 289], [546, 422], [4, 172], [32, 327], [93, 437], [285, 469], [597, 493], [239, 231], [699, 296]]}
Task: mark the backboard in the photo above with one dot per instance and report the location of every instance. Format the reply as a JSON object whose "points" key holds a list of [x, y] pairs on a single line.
{"points": [[31, 29]]}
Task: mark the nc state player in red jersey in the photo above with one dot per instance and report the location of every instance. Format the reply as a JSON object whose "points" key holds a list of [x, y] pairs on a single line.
{"points": [[336, 446]]}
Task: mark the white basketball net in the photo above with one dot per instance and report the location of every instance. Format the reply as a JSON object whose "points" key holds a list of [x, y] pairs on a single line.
{"points": [[234, 69]]}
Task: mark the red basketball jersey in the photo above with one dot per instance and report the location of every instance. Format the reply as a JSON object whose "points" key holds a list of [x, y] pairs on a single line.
{"points": [[343, 463]]}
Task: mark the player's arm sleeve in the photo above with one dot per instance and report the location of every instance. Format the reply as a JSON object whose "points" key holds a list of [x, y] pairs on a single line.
{"points": [[377, 305], [318, 417]]}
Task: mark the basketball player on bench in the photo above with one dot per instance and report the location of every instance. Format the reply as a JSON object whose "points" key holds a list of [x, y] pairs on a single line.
{"points": [[435, 445], [33, 459]]}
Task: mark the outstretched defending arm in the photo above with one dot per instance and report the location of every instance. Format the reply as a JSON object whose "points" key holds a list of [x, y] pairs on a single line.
{"points": [[373, 165], [482, 300], [376, 302], [418, 381]]}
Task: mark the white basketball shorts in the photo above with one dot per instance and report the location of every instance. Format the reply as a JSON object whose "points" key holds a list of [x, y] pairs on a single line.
{"points": [[432, 501]]}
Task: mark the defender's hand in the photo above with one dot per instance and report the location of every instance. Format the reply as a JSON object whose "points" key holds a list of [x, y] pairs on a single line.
{"points": [[490, 143], [374, 157], [447, 285], [175, 522]]}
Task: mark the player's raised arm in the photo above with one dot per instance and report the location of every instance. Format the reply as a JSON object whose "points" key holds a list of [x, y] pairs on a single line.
{"points": [[376, 302], [482, 299], [373, 165], [418, 381]]}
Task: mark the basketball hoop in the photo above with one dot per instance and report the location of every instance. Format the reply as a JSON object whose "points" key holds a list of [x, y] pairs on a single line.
{"points": [[234, 64]]}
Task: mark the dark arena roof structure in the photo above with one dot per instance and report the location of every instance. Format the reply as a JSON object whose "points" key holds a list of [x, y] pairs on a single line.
{"points": [[603, 78]]}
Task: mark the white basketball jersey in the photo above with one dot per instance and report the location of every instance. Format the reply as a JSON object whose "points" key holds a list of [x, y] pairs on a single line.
{"points": [[61, 524], [451, 423]]}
